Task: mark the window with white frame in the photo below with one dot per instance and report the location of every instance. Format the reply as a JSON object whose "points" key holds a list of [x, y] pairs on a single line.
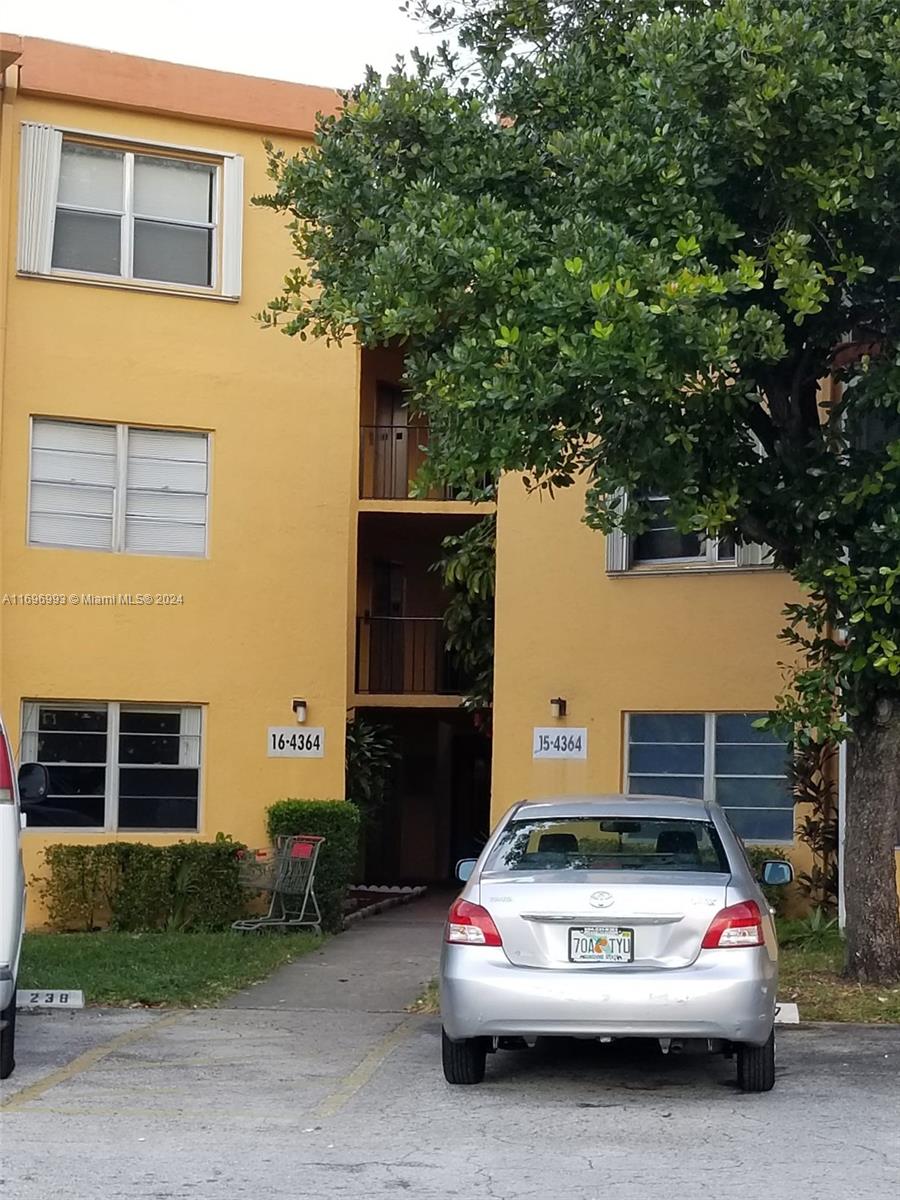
{"points": [[92, 207], [118, 487], [662, 542], [661, 546], [717, 757], [114, 766]]}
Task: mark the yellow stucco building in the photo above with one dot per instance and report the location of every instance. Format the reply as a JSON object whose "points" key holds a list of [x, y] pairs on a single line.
{"points": [[198, 517], [207, 530], [664, 651]]}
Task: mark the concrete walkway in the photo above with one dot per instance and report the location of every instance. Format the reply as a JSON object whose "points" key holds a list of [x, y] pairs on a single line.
{"points": [[380, 965]]}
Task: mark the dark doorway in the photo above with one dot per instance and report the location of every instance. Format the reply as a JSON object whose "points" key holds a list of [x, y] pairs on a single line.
{"points": [[387, 662], [391, 443], [388, 589], [438, 810], [470, 810]]}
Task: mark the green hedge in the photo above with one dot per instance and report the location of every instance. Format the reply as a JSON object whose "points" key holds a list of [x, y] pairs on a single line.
{"points": [[338, 822], [138, 887]]}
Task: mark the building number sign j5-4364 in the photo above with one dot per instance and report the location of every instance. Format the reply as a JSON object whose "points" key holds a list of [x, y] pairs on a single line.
{"points": [[553, 742]]}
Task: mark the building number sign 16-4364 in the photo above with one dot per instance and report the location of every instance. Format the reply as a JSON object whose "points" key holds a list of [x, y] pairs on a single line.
{"points": [[287, 741]]}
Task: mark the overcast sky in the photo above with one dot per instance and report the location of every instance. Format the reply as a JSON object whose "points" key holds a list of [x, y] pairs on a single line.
{"points": [[327, 42]]}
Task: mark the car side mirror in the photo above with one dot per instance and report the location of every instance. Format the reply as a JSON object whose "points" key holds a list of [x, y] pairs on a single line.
{"points": [[34, 783], [464, 869], [776, 873]]}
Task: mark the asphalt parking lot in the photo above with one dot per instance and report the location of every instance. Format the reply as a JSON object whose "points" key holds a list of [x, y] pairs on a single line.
{"points": [[280, 1096]]}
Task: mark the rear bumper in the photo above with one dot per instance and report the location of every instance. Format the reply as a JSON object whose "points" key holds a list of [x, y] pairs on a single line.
{"points": [[7, 988], [727, 994]]}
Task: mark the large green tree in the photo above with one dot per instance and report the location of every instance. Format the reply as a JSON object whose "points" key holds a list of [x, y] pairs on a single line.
{"points": [[627, 249]]}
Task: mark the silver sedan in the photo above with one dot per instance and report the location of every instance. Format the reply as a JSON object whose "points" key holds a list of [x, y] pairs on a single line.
{"points": [[612, 917]]}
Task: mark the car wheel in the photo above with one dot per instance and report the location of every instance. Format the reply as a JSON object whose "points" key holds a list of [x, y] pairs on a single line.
{"points": [[756, 1066], [463, 1061], [8, 1038]]}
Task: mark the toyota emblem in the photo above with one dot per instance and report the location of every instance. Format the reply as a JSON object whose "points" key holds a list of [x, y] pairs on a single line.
{"points": [[601, 899]]}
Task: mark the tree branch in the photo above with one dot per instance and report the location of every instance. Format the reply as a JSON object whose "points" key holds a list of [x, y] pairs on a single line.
{"points": [[761, 424], [804, 416]]}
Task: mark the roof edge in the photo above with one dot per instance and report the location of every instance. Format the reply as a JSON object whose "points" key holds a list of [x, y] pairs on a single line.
{"points": [[10, 49], [65, 71]]}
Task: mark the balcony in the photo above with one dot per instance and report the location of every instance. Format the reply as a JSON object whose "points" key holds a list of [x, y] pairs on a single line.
{"points": [[390, 458], [404, 656]]}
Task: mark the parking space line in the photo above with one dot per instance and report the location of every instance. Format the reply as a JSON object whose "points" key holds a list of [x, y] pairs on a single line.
{"points": [[198, 1113], [348, 1086], [84, 1062]]}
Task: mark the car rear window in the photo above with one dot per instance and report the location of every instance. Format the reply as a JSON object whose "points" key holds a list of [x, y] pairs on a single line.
{"points": [[608, 844]]}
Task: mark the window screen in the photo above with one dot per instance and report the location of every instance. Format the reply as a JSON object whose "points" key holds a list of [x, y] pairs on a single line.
{"points": [[718, 757]]}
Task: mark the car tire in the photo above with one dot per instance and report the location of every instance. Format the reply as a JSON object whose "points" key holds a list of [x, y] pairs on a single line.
{"points": [[8, 1039], [756, 1066], [463, 1061]]}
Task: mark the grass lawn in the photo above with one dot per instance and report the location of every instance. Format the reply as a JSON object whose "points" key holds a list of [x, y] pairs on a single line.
{"points": [[810, 968], [180, 969], [810, 976]]}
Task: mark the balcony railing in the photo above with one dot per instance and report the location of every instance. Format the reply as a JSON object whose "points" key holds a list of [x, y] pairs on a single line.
{"points": [[404, 656], [390, 458]]}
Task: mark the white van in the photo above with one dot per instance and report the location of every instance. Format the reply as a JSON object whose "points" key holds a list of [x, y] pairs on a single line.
{"points": [[34, 786]]}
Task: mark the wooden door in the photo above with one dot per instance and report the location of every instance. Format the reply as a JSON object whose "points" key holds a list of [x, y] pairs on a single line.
{"points": [[388, 659], [391, 443]]}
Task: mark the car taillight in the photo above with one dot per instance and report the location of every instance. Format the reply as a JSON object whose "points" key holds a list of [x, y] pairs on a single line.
{"points": [[737, 925], [471, 925], [6, 775]]}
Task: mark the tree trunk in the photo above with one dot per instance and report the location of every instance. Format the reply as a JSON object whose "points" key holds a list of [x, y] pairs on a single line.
{"points": [[870, 873]]}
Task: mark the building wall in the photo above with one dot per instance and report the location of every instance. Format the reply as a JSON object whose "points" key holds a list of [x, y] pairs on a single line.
{"points": [[270, 614], [264, 616], [692, 641]]}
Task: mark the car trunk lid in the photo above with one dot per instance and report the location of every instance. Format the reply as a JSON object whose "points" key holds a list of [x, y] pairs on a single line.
{"points": [[668, 912]]}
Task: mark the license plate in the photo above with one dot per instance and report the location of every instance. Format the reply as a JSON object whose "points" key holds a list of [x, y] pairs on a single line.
{"points": [[601, 943]]}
